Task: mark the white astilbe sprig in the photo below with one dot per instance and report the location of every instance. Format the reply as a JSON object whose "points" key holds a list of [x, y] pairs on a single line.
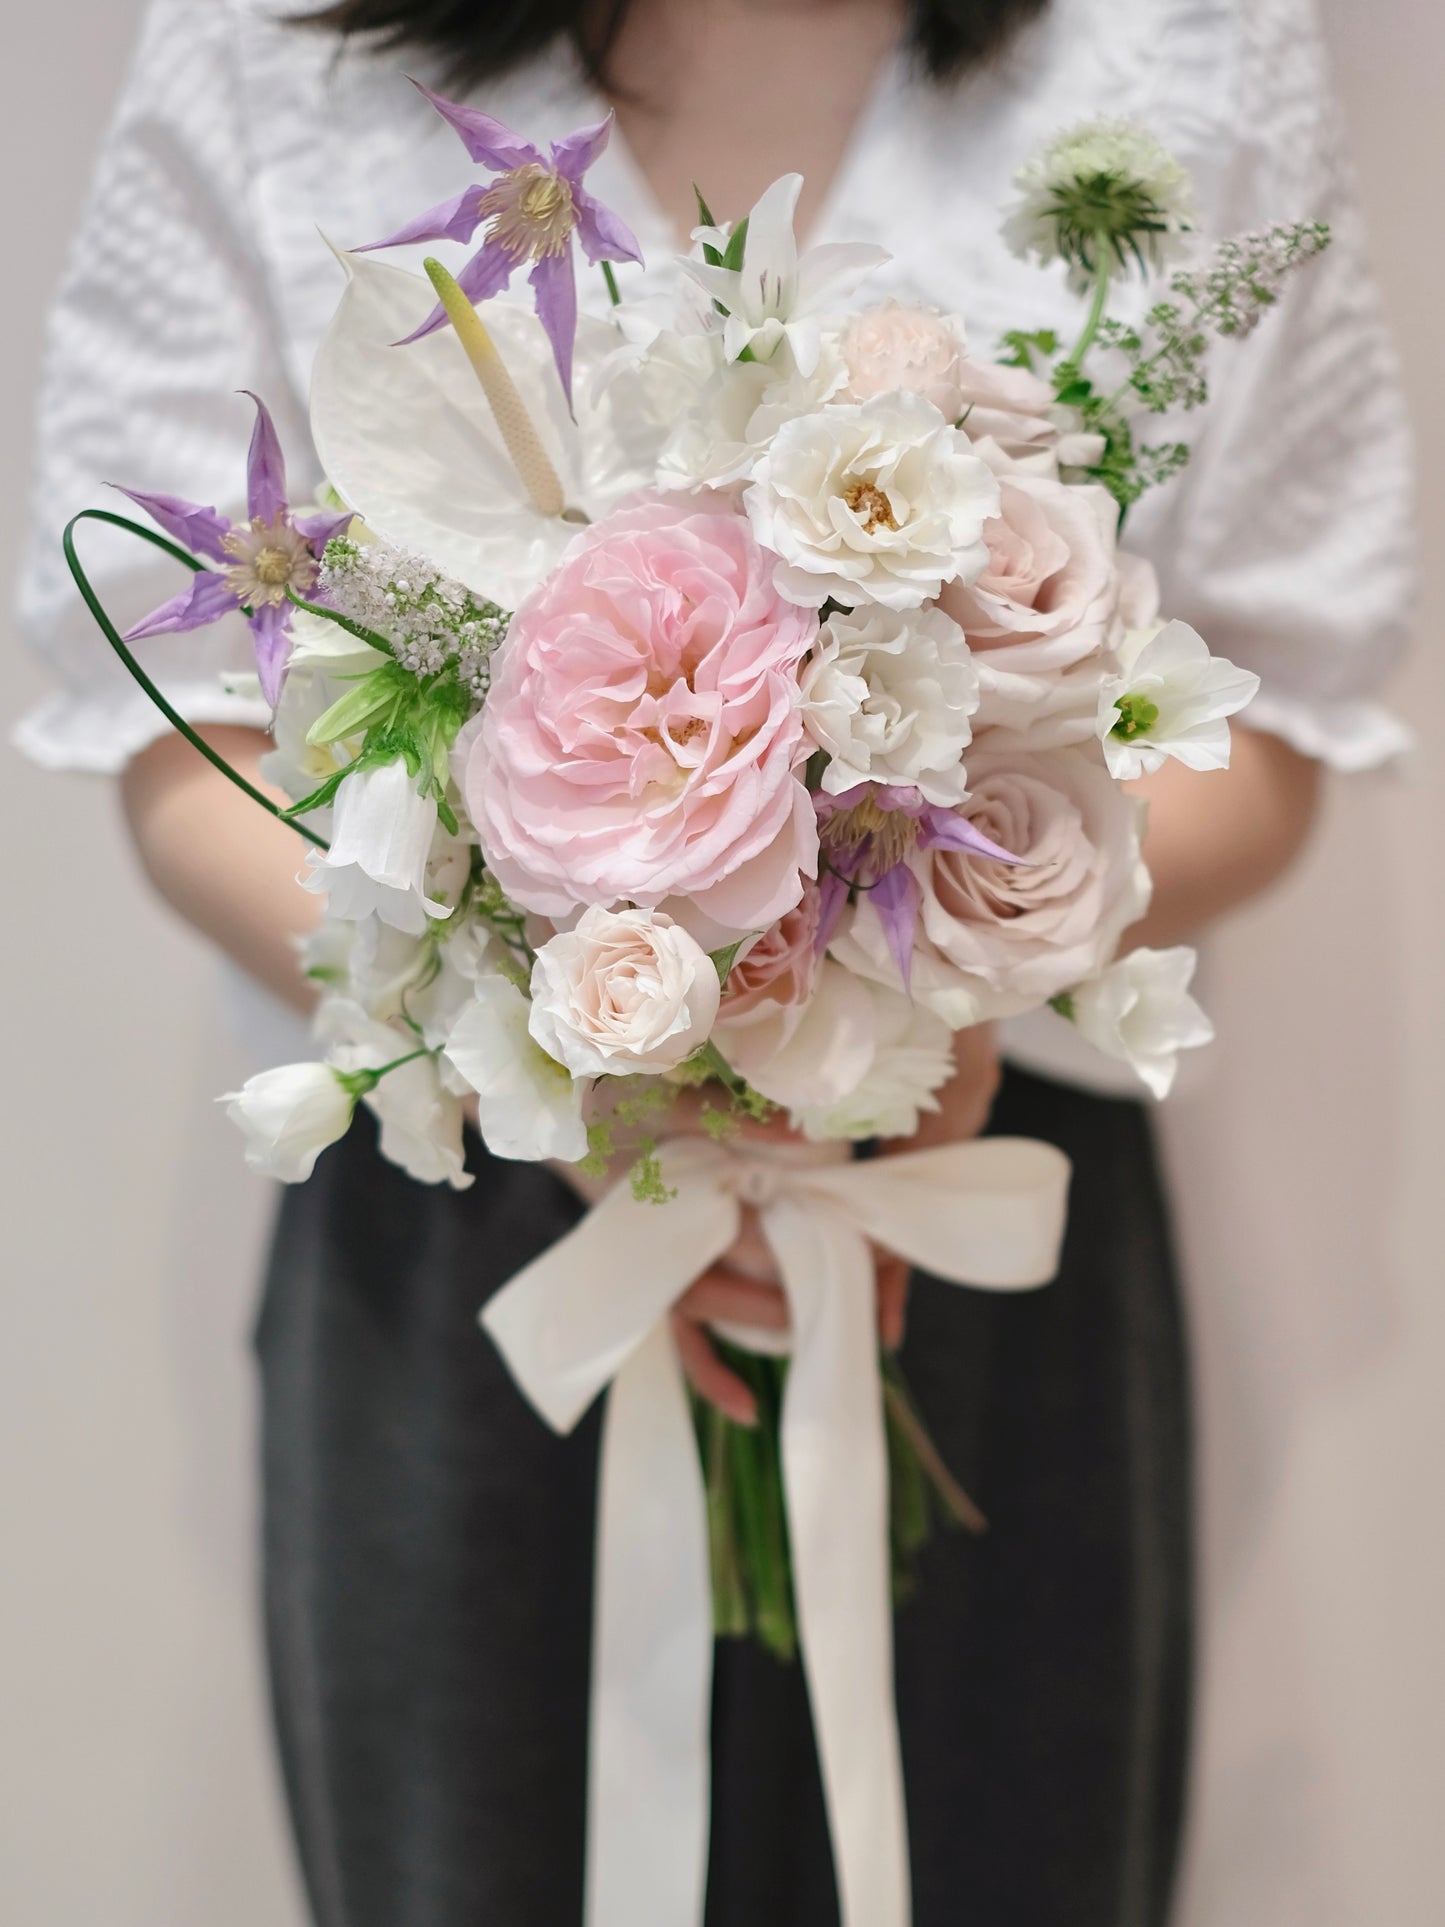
{"points": [[428, 619]]}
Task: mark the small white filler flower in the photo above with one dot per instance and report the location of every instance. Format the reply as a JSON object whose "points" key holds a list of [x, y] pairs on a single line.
{"points": [[1140, 1012], [1170, 698]]}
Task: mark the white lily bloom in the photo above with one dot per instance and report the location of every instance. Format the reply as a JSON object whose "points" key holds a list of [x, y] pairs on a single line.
{"points": [[1140, 1012], [889, 697], [528, 1105], [289, 1115], [381, 843], [1170, 698], [407, 437], [778, 295]]}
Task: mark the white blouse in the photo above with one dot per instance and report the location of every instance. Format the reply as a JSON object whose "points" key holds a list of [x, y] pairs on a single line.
{"points": [[198, 270]]}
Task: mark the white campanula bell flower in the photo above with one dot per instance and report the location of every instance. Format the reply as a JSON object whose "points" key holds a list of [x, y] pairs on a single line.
{"points": [[382, 834], [1140, 1012], [289, 1115]]}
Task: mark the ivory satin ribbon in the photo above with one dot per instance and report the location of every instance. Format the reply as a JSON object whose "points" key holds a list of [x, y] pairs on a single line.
{"points": [[591, 1311]]}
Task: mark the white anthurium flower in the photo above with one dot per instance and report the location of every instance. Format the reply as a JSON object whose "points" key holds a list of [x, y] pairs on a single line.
{"points": [[409, 441], [875, 501], [420, 1119], [528, 1105], [383, 830], [889, 697], [777, 294], [289, 1115], [1170, 698], [1140, 1012], [625, 992]]}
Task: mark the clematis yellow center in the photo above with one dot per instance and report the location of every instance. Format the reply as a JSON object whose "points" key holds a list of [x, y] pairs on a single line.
{"points": [[871, 506], [892, 833], [267, 558], [531, 211]]}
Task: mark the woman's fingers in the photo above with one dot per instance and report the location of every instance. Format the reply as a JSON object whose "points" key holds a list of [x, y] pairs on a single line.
{"points": [[707, 1374], [892, 1299], [722, 1297]]}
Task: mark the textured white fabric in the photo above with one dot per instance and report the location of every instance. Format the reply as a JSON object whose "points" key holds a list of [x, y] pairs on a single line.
{"points": [[198, 270]]}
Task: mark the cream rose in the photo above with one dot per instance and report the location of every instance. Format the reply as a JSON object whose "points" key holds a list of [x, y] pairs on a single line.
{"points": [[626, 991], [1042, 613], [994, 939], [889, 698], [875, 501]]}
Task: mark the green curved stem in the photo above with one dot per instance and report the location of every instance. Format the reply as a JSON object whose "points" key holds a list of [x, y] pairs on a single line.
{"points": [[117, 643], [1103, 275]]}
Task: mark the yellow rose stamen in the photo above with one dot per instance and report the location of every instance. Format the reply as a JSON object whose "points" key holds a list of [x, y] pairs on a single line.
{"points": [[872, 507]]}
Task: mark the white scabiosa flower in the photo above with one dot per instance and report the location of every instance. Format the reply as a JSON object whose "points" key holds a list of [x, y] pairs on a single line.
{"points": [[877, 501], [889, 697], [528, 1105], [383, 829], [775, 294], [1140, 1012], [1170, 698], [1103, 193], [289, 1115], [627, 991]]}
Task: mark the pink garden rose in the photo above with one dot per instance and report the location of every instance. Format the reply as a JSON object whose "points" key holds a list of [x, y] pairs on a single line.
{"points": [[643, 728], [768, 989], [994, 938]]}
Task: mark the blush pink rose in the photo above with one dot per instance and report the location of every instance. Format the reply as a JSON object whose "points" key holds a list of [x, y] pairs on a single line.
{"points": [[995, 939], [768, 989], [643, 728], [1041, 616], [894, 347]]}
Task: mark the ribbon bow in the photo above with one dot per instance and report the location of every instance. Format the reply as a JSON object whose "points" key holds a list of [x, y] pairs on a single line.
{"points": [[592, 1310]]}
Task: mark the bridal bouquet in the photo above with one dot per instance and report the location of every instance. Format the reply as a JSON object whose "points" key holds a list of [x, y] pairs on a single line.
{"points": [[735, 697]]}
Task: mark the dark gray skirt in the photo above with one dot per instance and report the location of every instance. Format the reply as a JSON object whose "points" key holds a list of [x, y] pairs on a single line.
{"points": [[428, 1562]]}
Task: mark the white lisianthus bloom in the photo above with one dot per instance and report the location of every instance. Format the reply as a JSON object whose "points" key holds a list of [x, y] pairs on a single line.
{"points": [[1108, 184], [381, 842], [1140, 1012], [1170, 698], [626, 991], [875, 501], [528, 1105], [778, 295], [889, 697], [289, 1115], [912, 1056]]}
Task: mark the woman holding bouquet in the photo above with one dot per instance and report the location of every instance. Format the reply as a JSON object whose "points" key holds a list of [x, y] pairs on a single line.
{"points": [[428, 1544]]}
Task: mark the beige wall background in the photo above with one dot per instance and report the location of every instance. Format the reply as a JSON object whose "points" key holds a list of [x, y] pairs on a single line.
{"points": [[135, 1778]]}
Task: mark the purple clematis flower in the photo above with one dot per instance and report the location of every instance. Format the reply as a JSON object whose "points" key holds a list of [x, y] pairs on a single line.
{"points": [[258, 560], [533, 207], [867, 835]]}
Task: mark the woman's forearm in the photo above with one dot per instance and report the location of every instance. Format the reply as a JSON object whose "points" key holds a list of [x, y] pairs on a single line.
{"points": [[1217, 838], [226, 867]]}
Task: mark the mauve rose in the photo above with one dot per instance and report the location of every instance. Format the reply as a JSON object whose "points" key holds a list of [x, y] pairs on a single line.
{"points": [[994, 939], [780, 967], [918, 349], [1042, 614], [643, 727]]}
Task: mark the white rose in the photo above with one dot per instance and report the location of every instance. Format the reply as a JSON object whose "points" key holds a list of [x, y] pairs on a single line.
{"points": [[289, 1115], [1140, 1012], [894, 346], [528, 1105], [889, 697], [626, 991], [382, 833], [874, 501]]}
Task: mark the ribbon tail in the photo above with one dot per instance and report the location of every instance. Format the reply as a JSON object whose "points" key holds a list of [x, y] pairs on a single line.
{"points": [[648, 1794], [835, 1471]]}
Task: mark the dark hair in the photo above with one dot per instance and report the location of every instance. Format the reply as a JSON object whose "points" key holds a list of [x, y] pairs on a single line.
{"points": [[479, 39]]}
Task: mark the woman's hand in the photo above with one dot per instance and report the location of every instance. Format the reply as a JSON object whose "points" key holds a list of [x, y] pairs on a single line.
{"points": [[742, 1288]]}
